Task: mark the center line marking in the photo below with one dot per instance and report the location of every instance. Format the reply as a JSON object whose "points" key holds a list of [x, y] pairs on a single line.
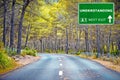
{"points": [[60, 64], [60, 73], [60, 60]]}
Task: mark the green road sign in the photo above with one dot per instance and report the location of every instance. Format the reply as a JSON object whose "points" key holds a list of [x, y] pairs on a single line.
{"points": [[96, 13]]}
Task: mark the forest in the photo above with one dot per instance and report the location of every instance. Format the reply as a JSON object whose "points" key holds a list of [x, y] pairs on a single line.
{"points": [[52, 26]]}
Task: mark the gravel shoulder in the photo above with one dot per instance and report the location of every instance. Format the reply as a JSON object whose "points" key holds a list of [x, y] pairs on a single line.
{"points": [[26, 59], [108, 64]]}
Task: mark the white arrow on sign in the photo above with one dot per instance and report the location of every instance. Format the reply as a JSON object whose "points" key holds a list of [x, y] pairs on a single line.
{"points": [[109, 18]]}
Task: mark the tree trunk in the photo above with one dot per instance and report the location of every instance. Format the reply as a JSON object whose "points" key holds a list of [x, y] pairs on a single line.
{"points": [[27, 35], [86, 39], [56, 40], [71, 37], [12, 25], [66, 41], [20, 26], [77, 39], [41, 44], [98, 40], [4, 22], [119, 45], [109, 41]]}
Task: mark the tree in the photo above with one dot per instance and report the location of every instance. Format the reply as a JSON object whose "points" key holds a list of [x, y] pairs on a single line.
{"points": [[4, 21], [66, 41], [86, 39], [98, 40], [12, 24], [27, 35], [25, 4]]}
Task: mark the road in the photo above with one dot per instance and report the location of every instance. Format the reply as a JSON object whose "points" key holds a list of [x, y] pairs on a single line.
{"points": [[62, 67]]}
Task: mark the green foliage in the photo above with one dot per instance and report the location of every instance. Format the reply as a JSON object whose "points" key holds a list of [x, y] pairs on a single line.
{"points": [[11, 52], [115, 52], [5, 60], [94, 50], [24, 53], [28, 51], [70, 51], [78, 53], [1, 46], [105, 48], [48, 51], [60, 51], [27, 48]]}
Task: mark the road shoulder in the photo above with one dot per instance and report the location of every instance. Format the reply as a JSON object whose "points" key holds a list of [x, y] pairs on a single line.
{"points": [[107, 64]]}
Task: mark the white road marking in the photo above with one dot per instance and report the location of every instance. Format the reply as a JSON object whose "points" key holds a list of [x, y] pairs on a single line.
{"points": [[60, 64], [60, 73], [60, 60]]}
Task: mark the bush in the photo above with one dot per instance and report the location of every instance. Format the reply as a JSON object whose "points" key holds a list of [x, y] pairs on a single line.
{"points": [[5, 60], [94, 50], [23, 53], [27, 48], [60, 51], [105, 49], [28, 51], [115, 52], [12, 53], [48, 51], [70, 51], [31, 52], [78, 53], [1, 46]]}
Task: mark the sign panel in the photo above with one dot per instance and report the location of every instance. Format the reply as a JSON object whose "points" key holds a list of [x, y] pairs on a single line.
{"points": [[96, 13]]}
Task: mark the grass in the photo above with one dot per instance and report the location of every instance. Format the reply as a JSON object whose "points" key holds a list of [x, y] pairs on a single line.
{"points": [[83, 55], [6, 63], [112, 62], [28, 51], [12, 67]]}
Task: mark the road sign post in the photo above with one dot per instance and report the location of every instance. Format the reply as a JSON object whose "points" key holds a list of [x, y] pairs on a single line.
{"points": [[96, 13]]}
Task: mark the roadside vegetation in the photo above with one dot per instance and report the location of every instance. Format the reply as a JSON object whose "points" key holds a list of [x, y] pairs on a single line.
{"points": [[113, 56], [28, 51], [7, 62], [112, 61]]}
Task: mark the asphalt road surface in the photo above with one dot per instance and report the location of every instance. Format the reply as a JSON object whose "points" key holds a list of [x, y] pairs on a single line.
{"points": [[62, 67]]}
